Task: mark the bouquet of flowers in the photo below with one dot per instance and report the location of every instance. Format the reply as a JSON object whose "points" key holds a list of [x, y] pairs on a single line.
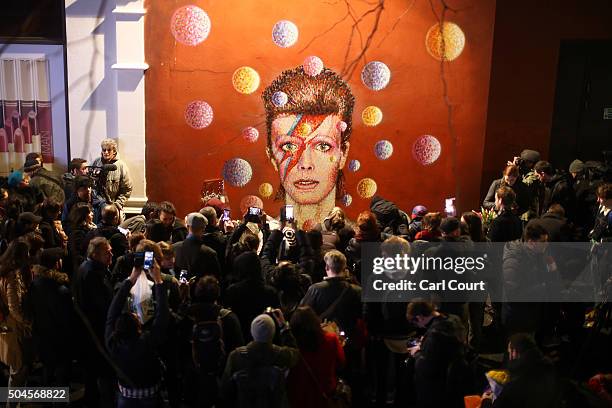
{"points": [[487, 216], [497, 379]]}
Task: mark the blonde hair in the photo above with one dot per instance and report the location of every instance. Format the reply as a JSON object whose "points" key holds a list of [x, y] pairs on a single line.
{"points": [[335, 261], [395, 246], [108, 142]]}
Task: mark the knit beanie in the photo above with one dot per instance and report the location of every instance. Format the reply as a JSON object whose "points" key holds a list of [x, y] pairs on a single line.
{"points": [[15, 178], [263, 328], [530, 155]]}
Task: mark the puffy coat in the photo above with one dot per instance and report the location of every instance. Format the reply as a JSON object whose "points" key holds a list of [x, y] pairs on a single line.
{"points": [[118, 183], [49, 184]]}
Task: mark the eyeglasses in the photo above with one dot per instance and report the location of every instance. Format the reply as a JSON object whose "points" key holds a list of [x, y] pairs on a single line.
{"points": [[108, 150]]}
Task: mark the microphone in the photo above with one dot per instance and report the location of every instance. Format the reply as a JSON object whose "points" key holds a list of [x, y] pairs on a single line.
{"points": [[105, 167]]}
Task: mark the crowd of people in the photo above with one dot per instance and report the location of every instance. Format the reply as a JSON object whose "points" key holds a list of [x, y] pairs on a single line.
{"points": [[156, 310]]}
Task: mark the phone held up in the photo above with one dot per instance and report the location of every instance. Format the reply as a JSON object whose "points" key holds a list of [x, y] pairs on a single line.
{"points": [[226, 215], [287, 214], [148, 261], [253, 214]]}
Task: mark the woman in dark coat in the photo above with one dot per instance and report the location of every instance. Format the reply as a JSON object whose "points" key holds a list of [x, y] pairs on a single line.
{"points": [[366, 230], [81, 221], [510, 178], [50, 211]]}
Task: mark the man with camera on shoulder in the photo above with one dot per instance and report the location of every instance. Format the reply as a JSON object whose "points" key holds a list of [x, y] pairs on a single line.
{"points": [[113, 184]]}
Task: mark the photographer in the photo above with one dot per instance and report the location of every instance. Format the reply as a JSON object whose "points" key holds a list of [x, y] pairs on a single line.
{"points": [[133, 349], [76, 167], [114, 186]]}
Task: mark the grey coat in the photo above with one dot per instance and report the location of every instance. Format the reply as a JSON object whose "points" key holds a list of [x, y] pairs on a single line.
{"points": [[118, 183]]}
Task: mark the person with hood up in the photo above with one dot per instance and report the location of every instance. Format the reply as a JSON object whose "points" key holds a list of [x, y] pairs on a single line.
{"points": [[391, 219], [250, 296], [336, 230], [416, 222]]}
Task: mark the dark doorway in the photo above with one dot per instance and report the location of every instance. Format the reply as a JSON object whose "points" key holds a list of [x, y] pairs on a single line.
{"points": [[583, 100]]}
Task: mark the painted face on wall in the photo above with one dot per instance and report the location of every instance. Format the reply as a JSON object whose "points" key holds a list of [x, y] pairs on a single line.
{"points": [[307, 152]]}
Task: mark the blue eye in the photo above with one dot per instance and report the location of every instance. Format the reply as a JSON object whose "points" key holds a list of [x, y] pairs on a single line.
{"points": [[323, 147], [289, 147]]}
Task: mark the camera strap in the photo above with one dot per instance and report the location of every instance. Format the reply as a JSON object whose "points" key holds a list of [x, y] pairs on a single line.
{"points": [[333, 306]]}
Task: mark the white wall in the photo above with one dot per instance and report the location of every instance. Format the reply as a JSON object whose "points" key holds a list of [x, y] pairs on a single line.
{"points": [[106, 82]]}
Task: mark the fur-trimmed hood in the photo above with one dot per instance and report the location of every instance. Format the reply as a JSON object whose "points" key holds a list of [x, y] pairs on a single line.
{"points": [[42, 272]]}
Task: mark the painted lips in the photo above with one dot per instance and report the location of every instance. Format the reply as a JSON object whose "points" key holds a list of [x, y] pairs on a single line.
{"points": [[306, 184]]}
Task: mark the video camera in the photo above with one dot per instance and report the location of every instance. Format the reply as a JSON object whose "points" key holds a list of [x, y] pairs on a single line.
{"points": [[98, 174]]}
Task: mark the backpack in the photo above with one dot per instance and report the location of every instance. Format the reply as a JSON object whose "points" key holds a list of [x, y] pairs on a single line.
{"points": [[259, 386], [207, 346]]}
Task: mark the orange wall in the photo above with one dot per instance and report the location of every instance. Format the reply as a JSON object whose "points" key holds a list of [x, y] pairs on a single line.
{"points": [[179, 158], [524, 71]]}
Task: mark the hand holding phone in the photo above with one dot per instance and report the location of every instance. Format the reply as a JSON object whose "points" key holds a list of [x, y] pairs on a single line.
{"points": [[287, 214], [253, 215], [226, 215], [183, 276], [148, 260]]}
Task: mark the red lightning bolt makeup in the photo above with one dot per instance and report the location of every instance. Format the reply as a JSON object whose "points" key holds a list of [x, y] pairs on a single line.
{"points": [[301, 127]]}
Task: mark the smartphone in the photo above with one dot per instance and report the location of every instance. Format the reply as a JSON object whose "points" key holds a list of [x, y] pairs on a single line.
{"points": [[183, 276], [255, 211], [148, 260], [413, 343], [226, 215], [287, 213], [123, 231], [449, 207]]}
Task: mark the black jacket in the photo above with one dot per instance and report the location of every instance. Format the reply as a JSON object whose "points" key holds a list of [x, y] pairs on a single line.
{"points": [[215, 239], [526, 279], [523, 195], [117, 240], [138, 357], [322, 295], [197, 258], [232, 332], [505, 227], [76, 246], [558, 191], [391, 219], [441, 373], [177, 232], [533, 383], [49, 234], [557, 227], [251, 295], [52, 315], [93, 293], [353, 253]]}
